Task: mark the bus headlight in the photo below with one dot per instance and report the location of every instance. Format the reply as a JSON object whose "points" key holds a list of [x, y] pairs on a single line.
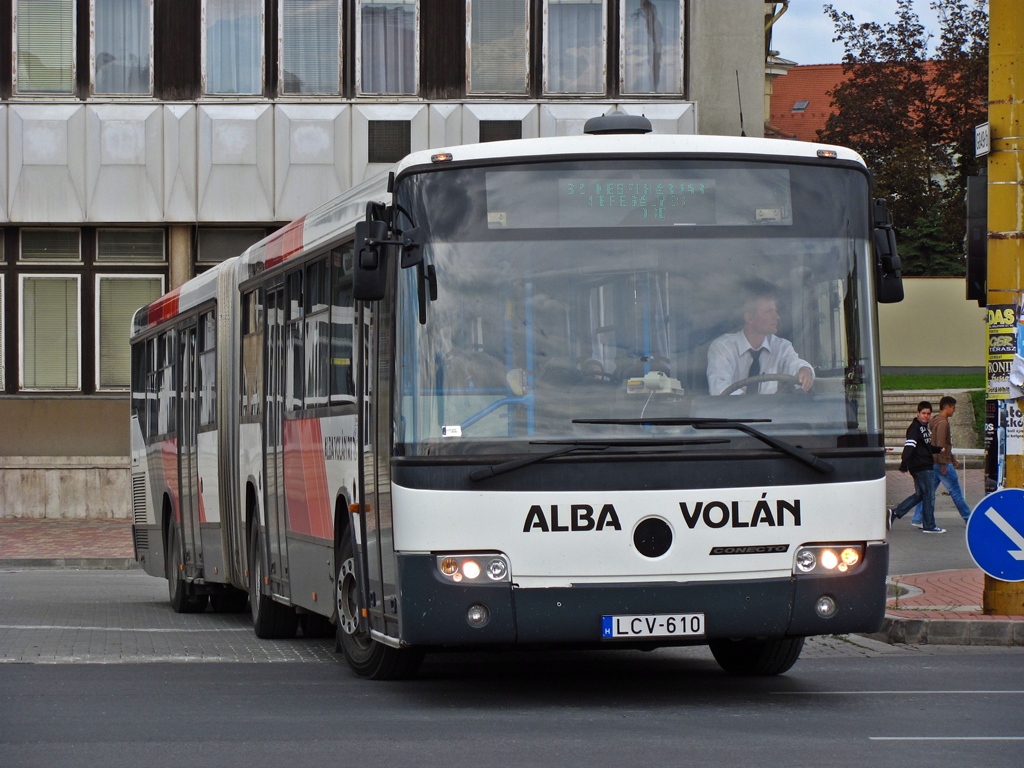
{"points": [[827, 559], [478, 568]]}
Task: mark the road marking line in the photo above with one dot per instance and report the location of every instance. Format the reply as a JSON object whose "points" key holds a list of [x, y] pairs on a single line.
{"points": [[122, 629], [883, 693], [946, 738]]}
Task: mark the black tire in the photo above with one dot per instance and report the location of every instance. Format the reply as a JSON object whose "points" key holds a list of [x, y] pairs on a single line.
{"points": [[229, 601], [758, 658], [177, 588], [364, 655], [270, 620], [315, 625]]}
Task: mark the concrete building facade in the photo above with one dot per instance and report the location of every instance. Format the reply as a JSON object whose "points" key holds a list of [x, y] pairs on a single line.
{"points": [[142, 141]]}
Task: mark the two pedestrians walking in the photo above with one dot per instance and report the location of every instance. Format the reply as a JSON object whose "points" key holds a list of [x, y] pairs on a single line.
{"points": [[918, 459]]}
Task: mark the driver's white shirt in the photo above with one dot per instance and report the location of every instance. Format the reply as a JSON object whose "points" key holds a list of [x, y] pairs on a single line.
{"points": [[729, 361]]}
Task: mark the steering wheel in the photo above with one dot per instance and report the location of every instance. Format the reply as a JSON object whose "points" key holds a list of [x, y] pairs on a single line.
{"points": [[782, 378]]}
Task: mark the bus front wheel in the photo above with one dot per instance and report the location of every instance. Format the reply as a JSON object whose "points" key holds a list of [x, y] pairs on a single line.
{"points": [[367, 657], [757, 657]]}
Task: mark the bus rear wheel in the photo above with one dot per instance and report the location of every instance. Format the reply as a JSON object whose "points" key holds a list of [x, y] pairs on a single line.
{"points": [[270, 619], [757, 658], [177, 589], [367, 657]]}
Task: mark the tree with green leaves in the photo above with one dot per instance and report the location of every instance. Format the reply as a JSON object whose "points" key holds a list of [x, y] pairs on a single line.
{"points": [[912, 119]]}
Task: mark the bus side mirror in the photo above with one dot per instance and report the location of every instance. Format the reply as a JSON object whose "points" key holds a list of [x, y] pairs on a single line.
{"points": [[371, 261], [888, 280]]}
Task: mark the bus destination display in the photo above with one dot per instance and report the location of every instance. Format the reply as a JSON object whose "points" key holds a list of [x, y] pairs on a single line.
{"points": [[596, 202]]}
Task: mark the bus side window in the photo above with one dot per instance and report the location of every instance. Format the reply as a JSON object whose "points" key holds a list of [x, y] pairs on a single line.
{"points": [[207, 368], [138, 352], [167, 390], [294, 356], [342, 376], [317, 323], [252, 354], [150, 419]]}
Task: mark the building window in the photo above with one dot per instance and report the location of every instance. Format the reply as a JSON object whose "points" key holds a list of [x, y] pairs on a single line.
{"points": [[233, 46], [216, 245], [51, 246], [388, 140], [387, 46], [45, 42], [130, 246], [574, 46], [652, 53], [498, 47], [310, 50], [801, 106], [121, 46], [117, 298], [50, 338], [500, 130]]}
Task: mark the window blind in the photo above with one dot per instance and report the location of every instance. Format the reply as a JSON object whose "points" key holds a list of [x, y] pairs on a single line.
{"points": [[498, 46], [309, 47], [50, 245], [130, 245], [46, 46], [120, 297], [50, 332]]}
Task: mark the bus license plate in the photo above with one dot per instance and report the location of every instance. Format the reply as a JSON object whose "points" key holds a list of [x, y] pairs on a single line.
{"points": [[658, 625]]}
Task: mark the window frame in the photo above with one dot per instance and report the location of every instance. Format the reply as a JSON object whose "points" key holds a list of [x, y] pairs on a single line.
{"points": [[527, 55], [77, 278], [280, 57], [97, 316], [603, 45], [682, 58], [92, 57], [204, 78], [70, 94], [359, 54]]}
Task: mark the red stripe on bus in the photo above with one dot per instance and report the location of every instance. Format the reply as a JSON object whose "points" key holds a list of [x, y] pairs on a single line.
{"points": [[284, 243], [164, 308], [305, 479]]}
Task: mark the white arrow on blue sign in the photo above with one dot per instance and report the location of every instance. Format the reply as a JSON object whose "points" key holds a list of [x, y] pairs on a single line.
{"points": [[995, 535]]}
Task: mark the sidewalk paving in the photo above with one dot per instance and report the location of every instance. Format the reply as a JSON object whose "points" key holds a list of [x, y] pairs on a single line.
{"points": [[66, 543], [937, 601]]}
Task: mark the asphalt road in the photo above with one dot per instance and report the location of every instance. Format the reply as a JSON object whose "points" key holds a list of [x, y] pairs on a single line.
{"points": [[100, 672]]}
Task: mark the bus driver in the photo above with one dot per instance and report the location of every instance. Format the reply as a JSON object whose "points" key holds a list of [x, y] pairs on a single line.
{"points": [[755, 350]]}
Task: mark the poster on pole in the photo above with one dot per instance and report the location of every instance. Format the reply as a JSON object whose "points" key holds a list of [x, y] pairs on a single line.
{"points": [[1002, 344]]}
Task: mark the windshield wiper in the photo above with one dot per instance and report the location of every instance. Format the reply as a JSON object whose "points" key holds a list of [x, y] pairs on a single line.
{"points": [[571, 446], [740, 425]]}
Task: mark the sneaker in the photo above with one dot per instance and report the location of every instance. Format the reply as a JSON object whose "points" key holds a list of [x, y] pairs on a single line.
{"points": [[917, 525], [933, 530], [890, 518]]}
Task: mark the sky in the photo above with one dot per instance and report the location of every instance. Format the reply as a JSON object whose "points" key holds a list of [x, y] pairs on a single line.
{"points": [[804, 33]]}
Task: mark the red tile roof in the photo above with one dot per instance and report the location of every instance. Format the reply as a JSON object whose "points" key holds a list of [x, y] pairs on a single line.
{"points": [[810, 83]]}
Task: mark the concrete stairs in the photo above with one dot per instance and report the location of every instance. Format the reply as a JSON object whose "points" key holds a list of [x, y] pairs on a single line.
{"points": [[899, 408]]}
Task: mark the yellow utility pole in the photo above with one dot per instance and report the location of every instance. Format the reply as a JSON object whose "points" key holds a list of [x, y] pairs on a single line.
{"points": [[1006, 215]]}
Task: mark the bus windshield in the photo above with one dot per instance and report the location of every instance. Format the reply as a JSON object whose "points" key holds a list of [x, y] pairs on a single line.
{"points": [[624, 290]]}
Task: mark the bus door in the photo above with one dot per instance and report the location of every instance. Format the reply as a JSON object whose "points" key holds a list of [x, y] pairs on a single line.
{"points": [[273, 445], [381, 562], [188, 454]]}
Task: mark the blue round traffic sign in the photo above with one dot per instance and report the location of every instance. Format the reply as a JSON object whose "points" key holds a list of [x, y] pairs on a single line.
{"points": [[995, 534]]}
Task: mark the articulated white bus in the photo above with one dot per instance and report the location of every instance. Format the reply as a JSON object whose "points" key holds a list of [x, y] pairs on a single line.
{"points": [[480, 402]]}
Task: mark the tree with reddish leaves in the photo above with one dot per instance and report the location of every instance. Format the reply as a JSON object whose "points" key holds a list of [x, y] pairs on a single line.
{"points": [[912, 119]]}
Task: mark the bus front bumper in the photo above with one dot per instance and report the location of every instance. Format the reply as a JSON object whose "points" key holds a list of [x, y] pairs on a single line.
{"points": [[434, 612]]}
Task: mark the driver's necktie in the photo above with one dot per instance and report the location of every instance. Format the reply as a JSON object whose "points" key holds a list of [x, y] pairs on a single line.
{"points": [[755, 370]]}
